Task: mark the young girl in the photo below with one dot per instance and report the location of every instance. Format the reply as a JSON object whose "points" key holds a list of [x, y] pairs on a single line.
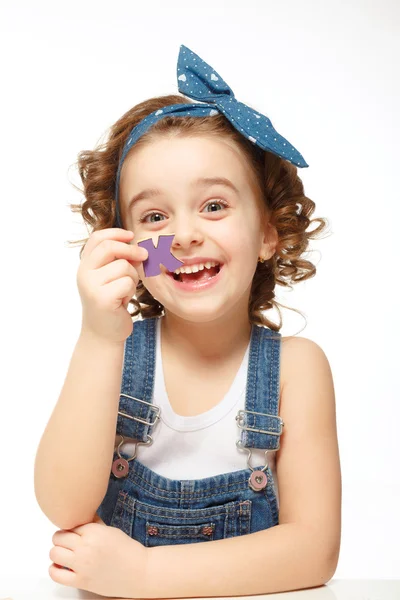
{"points": [[193, 449]]}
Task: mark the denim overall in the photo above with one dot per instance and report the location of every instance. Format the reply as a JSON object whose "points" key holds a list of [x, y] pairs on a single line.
{"points": [[156, 510]]}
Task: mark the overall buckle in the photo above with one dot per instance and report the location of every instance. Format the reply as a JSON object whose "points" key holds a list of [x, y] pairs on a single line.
{"points": [[149, 404]]}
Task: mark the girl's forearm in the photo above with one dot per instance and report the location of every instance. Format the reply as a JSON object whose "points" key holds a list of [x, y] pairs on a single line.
{"points": [[73, 460], [282, 558]]}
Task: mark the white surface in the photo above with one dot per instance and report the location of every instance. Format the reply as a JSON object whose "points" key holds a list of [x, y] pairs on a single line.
{"points": [[337, 589], [326, 74]]}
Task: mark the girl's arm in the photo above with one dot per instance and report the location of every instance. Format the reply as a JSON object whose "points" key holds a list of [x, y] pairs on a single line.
{"points": [[73, 460], [303, 550]]}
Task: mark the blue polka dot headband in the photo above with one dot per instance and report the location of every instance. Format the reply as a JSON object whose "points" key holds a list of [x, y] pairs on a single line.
{"points": [[199, 81]]}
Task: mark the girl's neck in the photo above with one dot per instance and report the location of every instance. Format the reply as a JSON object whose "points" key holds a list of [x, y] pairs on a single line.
{"points": [[206, 340]]}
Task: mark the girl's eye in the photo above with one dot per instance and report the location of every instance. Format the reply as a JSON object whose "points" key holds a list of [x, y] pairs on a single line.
{"points": [[213, 203], [152, 213]]}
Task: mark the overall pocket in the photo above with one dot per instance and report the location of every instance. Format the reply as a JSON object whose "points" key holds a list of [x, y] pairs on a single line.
{"points": [[165, 526], [155, 525]]}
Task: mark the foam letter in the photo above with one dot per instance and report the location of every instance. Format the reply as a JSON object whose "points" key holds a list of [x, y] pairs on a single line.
{"points": [[160, 254]]}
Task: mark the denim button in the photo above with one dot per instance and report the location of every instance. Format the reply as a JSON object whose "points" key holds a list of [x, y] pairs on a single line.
{"points": [[258, 480], [207, 530]]}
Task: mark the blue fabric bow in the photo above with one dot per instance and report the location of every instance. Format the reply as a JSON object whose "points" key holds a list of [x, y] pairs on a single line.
{"points": [[199, 81]]}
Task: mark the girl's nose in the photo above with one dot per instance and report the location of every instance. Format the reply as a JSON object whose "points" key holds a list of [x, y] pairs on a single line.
{"points": [[187, 232]]}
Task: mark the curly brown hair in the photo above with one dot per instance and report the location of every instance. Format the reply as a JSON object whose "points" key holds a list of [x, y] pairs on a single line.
{"points": [[280, 187]]}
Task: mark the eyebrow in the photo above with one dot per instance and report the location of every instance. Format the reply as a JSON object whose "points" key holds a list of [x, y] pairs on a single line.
{"points": [[201, 181]]}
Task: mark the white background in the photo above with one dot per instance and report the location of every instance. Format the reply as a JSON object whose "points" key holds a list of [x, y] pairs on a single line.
{"points": [[327, 75]]}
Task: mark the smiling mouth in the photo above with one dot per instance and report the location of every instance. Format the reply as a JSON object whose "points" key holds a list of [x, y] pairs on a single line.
{"points": [[202, 275]]}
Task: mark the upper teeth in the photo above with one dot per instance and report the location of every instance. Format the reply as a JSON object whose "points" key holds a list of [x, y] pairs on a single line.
{"points": [[195, 268]]}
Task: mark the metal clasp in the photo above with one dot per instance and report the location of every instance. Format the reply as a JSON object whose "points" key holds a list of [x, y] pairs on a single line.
{"points": [[152, 406], [240, 445], [148, 442], [240, 417], [240, 421]]}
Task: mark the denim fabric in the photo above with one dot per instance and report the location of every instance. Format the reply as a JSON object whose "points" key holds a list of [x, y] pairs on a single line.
{"points": [[156, 510]]}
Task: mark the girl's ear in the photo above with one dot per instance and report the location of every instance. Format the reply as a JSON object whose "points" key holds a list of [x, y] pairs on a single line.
{"points": [[269, 242]]}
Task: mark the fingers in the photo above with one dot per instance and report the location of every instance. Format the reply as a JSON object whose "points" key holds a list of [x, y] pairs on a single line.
{"points": [[109, 250], [110, 233]]}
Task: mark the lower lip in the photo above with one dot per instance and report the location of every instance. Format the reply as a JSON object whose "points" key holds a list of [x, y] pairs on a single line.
{"points": [[196, 286]]}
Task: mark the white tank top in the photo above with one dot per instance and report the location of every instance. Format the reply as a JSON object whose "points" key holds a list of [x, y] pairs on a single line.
{"points": [[203, 445]]}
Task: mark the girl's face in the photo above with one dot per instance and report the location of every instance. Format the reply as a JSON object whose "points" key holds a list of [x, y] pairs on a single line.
{"points": [[208, 220]]}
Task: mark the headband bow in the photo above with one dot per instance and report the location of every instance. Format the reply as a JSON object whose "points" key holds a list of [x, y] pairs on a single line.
{"points": [[199, 81]]}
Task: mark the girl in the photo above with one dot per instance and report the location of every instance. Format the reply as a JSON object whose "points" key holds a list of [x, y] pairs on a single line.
{"points": [[190, 420]]}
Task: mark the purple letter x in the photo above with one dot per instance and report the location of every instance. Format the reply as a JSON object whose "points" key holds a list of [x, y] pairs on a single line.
{"points": [[161, 254]]}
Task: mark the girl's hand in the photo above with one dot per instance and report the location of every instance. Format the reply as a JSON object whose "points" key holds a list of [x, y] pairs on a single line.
{"points": [[103, 560], [107, 278]]}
